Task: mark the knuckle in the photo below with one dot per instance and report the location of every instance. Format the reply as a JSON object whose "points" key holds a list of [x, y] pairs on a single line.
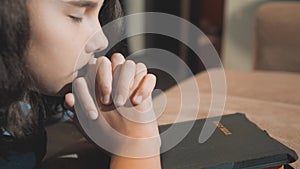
{"points": [[79, 81], [100, 59], [103, 60], [152, 77], [141, 68], [106, 89], [141, 65], [146, 94], [123, 88], [88, 106], [143, 91], [129, 63], [117, 56]]}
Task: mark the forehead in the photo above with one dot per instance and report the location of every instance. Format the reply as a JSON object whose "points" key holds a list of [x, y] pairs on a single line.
{"points": [[95, 1], [83, 3]]}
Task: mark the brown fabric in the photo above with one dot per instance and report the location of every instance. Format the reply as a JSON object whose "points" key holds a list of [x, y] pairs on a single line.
{"points": [[281, 87], [60, 136], [68, 149], [278, 37]]}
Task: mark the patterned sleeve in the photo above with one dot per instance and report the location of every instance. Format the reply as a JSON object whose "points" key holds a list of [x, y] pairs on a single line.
{"points": [[27, 154]]}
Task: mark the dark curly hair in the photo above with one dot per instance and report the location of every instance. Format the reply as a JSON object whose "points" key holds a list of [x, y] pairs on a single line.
{"points": [[16, 85]]}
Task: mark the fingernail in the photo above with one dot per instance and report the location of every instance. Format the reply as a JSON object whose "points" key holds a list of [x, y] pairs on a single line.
{"points": [[119, 100], [138, 99], [93, 115], [106, 99]]}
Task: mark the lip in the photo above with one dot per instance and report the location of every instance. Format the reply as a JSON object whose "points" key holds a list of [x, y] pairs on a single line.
{"points": [[85, 60], [83, 69]]}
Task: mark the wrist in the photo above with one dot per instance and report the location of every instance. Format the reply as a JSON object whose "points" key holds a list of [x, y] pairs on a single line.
{"points": [[139, 147]]}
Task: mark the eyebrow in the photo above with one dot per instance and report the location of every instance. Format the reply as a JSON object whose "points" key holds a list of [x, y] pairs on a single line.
{"points": [[83, 3]]}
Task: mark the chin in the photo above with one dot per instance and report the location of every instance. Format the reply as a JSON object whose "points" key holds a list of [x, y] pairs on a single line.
{"points": [[60, 92], [65, 90]]}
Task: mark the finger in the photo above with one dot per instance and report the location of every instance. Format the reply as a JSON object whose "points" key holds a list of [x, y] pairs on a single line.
{"points": [[145, 89], [123, 80], [117, 59], [84, 98], [69, 101], [104, 80], [91, 69], [141, 71]]}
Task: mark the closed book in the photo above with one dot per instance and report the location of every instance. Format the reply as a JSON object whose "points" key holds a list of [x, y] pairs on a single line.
{"points": [[236, 143]]}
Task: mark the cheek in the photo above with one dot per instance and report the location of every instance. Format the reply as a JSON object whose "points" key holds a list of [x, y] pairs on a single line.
{"points": [[54, 50]]}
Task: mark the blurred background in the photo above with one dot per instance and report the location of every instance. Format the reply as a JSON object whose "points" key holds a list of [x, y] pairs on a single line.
{"points": [[229, 24]]}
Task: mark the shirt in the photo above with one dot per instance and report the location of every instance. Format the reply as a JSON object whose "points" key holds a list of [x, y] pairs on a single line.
{"points": [[28, 154]]}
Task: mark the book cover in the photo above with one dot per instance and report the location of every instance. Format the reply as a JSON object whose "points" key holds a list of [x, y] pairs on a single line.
{"points": [[237, 143]]}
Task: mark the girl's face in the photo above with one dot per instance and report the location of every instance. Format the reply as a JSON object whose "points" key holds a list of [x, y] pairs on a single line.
{"points": [[64, 36]]}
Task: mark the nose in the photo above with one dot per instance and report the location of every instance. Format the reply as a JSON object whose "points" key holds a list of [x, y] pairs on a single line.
{"points": [[97, 42]]}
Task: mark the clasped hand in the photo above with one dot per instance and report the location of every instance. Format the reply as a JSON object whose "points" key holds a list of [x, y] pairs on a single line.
{"points": [[118, 83]]}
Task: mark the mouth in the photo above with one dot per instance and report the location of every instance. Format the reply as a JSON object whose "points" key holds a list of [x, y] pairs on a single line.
{"points": [[83, 70]]}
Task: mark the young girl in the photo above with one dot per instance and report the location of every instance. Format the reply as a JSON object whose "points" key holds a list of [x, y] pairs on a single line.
{"points": [[39, 48]]}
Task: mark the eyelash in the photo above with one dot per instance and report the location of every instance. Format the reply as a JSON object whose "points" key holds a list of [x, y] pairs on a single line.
{"points": [[75, 19]]}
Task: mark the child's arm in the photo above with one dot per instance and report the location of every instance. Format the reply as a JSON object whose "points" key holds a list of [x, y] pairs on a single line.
{"points": [[142, 84], [118, 162]]}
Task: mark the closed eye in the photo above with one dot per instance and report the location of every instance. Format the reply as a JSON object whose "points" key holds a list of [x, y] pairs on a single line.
{"points": [[75, 19]]}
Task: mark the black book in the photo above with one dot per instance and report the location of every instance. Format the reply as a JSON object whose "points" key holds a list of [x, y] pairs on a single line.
{"points": [[237, 143]]}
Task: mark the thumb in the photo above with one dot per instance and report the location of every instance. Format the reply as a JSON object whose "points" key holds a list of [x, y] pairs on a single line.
{"points": [[70, 101]]}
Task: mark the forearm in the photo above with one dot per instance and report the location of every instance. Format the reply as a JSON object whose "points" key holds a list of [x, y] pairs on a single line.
{"points": [[118, 162]]}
